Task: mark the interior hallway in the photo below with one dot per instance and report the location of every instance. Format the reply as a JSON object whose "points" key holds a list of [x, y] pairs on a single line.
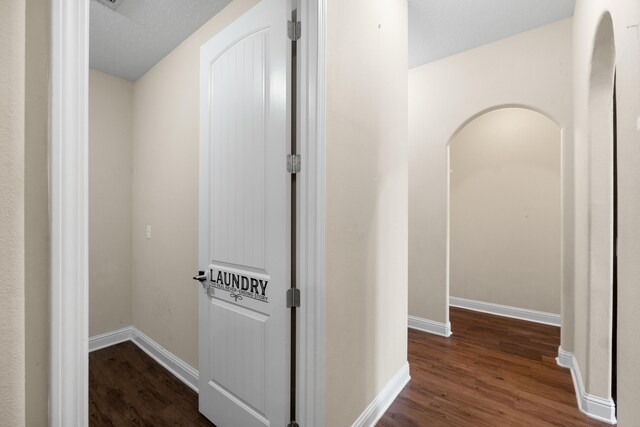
{"points": [[493, 371]]}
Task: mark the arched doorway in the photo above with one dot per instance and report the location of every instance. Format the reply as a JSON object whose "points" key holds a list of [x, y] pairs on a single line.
{"points": [[595, 231], [505, 217]]}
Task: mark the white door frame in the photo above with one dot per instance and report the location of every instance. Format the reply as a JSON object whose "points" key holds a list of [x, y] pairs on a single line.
{"points": [[68, 183], [311, 208], [68, 192]]}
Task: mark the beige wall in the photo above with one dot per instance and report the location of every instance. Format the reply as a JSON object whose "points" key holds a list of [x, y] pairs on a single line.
{"points": [[593, 321], [110, 164], [531, 69], [505, 210], [12, 246], [37, 213], [626, 15], [165, 192], [366, 196]]}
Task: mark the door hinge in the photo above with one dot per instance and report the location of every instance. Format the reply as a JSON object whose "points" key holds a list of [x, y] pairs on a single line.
{"points": [[294, 163], [293, 297], [294, 30]]}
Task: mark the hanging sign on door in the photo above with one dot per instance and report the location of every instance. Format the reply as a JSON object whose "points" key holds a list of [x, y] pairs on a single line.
{"points": [[240, 286]]}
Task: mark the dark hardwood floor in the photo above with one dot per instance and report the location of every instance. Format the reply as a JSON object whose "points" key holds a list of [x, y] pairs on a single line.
{"points": [[128, 388], [493, 371]]}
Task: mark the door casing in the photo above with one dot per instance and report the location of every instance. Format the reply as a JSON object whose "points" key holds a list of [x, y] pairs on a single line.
{"points": [[68, 182]]}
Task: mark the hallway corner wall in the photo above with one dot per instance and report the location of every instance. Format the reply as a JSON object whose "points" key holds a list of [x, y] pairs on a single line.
{"points": [[110, 176], [593, 323], [531, 69], [366, 203]]}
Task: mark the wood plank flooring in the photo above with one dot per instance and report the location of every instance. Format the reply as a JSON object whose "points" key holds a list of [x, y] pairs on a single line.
{"points": [[493, 371], [129, 388]]}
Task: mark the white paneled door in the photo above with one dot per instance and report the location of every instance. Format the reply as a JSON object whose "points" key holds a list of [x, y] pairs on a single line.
{"points": [[245, 221]]}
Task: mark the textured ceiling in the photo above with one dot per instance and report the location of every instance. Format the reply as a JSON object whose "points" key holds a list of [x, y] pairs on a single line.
{"points": [[440, 28], [129, 41]]}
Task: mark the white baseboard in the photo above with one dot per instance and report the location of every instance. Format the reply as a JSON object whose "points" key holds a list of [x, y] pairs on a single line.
{"points": [[108, 339], [384, 399], [564, 359], [179, 368], [430, 326], [507, 311], [593, 406]]}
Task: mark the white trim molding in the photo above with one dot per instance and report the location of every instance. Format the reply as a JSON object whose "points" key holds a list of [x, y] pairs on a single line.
{"points": [[430, 326], [564, 359], [98, 342], [593, 406], [311, 207], [172, 363], [384, 399], [68, 189], [507, 311]]}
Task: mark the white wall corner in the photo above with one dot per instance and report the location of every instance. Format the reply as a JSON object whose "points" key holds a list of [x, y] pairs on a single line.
{"points": [[384, 399], [430, 326], [108, 339], [593, 406], [564, 359], [176, 366], [598, 408], [507, 311]]}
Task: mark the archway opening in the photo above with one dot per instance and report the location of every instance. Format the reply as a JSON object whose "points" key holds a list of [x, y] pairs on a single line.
{"points": [[505, 218], [595, 303]]}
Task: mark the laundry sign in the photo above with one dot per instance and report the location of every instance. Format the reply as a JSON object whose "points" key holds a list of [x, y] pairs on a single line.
{"points": [[239, 286]]}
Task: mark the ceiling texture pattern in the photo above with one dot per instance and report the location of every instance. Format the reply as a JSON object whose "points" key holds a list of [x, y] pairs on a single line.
{"points": [[441, 28], [129, 41]]}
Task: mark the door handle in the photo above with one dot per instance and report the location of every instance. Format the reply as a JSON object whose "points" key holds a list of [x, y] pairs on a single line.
{"points": [[201, 277]]}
